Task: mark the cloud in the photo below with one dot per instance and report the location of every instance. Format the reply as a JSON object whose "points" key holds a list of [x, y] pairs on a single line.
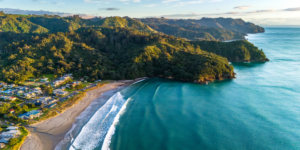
{"points": [[136, 1], [292, 9], [55, 3], [169, 1], [109, 9], [216, 1], [261, 11], [107, 1], [150, 5], [242, 7], [38, 1], [42, 12], [232, 13]]}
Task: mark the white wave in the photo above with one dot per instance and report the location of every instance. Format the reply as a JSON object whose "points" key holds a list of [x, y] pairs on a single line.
{"points": [[139, 81], [94, 132], [69, 137], [111, 131]]}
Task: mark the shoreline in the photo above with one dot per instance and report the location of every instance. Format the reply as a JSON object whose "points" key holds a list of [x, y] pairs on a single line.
{"points": [[49, 133]]}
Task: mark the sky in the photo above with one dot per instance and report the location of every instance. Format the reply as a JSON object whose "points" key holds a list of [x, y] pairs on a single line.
{"points": [[261, 12]]}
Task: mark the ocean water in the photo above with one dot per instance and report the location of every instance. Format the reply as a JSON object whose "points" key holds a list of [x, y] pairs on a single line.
{"points": [[260, 109]]}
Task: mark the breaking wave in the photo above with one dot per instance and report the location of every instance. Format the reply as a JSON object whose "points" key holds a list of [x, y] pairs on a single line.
{"points": [[101, 124]]}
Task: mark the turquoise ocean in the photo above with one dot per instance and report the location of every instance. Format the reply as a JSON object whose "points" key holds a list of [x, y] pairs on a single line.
{"points": [[259, 110]]}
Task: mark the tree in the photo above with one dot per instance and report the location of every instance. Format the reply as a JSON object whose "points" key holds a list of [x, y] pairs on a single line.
{"points": [[44, 109], [80, 86], [25, 107], [31, 105], [13, 141]]}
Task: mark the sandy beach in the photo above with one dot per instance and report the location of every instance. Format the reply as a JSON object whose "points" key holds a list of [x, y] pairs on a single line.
{"points": [[47, 134]]}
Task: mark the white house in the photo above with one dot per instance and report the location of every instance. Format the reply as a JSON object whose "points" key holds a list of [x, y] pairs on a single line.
{"points": [[44, 80], [10, 134], [29, 95], [20, 92], [12, 85], [60, 92]]}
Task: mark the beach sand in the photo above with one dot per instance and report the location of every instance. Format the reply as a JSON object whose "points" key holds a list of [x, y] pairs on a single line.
{"points": [[47, 134]]}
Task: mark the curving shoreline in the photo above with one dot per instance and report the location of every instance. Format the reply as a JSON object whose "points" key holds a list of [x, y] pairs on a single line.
{"points": [[47, 134]]}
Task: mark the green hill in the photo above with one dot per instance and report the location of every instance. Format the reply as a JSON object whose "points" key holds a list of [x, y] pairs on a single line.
{"points": [[19, 24], [112, 53], [116, 48], [191, 30], [236, 51], [220, 29], [231, 24]]}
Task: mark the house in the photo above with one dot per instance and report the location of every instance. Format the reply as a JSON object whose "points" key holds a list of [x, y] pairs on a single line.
{"points": [[11, 85], [26, 89], [37, 92], [52, 105], [10, 134], [44, 80], [64, 78], [14, 92], [7, 92], [44, 100], [2, 145], [60, 92], [37, 89], [11, 111], [12, 128], [29, 95], [52, 101], [56, 83], [31, 114], [10, 98], [20, 92], [73, 84], [4, 140]]}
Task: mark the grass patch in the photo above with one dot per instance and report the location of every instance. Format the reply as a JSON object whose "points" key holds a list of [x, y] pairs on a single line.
{"points": [[31, 109], [49, 76], [17, 102], [69, 90]]}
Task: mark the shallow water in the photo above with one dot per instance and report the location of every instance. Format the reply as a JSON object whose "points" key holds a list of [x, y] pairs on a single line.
{"points": [[258, 110]]}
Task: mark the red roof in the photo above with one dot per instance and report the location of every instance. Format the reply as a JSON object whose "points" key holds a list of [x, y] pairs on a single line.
{"points": [[11, 110]]}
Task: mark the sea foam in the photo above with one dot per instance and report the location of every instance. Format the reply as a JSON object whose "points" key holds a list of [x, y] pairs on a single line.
{"points": [[102, 122], [111, 131]]}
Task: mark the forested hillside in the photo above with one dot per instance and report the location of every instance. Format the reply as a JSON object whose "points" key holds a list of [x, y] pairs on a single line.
{"points": [[111, 53], [54, 23], [114, 48], [231, 24], [236, 51], [212, 29]]}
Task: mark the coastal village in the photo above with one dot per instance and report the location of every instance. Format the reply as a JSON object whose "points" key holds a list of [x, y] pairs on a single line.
{"points": [[31, 100]]}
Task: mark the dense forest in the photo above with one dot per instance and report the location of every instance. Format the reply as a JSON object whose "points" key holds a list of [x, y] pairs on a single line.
{"points": [[111, 48], [235, 51]]}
